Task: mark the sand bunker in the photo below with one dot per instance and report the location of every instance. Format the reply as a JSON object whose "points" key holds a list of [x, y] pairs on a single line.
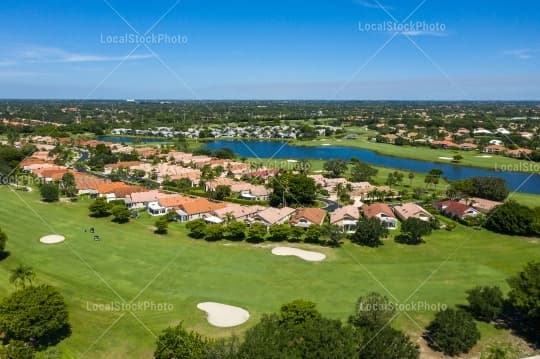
{"points": [[300, 253], [325, 144], [52, 239], [484, 156], [223, 315], [446, 158]]}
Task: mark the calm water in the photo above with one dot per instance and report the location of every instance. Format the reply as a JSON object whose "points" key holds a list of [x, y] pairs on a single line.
{"points": [[519, 182]]}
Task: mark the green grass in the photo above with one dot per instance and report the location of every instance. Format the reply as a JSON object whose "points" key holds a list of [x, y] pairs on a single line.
{"points": [[423, 153], [131, 260]]}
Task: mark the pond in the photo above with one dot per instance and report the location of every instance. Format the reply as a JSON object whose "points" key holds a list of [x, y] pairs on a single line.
{"points": [[519, 182]]}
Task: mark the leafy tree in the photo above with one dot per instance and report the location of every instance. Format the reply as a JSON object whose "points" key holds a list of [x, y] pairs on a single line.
{"points": [[296, 235], [492, 188], [514, 219], [298, 312], [293, 189], [333, 234], [49, 192], [120, 213], [162, 225], [235, 231], [17, 349], [221, 192], [3, 241], [313, 234], [20, 275], [223, 348], [68, 184], [214, 233], [36, 313], [335, 168], [298, 331], [362, 172], [369, 232], [256, 233], [413, 229], [485, 303], [453, 332], [524, 295], [197, 228], [100, 208], [279, 232], [386, 343], [178, 343], [373, 310], [411, 176]]}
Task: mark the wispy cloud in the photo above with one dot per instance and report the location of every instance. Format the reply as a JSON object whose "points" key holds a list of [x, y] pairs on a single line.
{"points": [[20, 74], [523, 54], [414, 33], [52, 54], [372, 4], [42, 54]]}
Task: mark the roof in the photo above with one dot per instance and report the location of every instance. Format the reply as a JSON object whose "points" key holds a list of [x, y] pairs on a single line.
{"points": [[110, 187], [174, 201], [314, 215], [344, 213], [377, 208], [87, 182], [409, 210], [273, 215], [201, 205], [481, 204], [238, 211], [146, 196], [453, 207]]}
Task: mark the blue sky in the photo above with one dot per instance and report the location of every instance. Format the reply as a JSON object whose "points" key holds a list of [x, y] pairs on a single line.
{"points": [[488, 50]]}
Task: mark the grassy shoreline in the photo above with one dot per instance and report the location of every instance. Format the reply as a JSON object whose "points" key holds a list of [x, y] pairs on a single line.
{"points": [[422, 153]]}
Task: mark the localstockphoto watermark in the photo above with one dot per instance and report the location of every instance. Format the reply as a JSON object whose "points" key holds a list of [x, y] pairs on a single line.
{"points": [[411, 28], [142, 306], [523, 166], [421, 306], [146, 39]]}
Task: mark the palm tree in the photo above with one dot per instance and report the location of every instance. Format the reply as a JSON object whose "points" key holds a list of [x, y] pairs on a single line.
{"points": [[20, 275]]}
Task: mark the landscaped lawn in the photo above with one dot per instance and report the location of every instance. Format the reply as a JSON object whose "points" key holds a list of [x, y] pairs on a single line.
{"points": [[132, 263]]}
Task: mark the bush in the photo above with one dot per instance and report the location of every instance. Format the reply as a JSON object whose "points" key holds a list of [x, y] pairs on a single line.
{"points": [[197, 228], [35, 313], [3, 240], [214, 233], [49, 192], [524, 296], [179, 343], [256, 233], [17, 350], [453, 332], [120, 213], [100, 208], [369, 232], [162, 225], [235, 231], [513, 219], [485, 303]]}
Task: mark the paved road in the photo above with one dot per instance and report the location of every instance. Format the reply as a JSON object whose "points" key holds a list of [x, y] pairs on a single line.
{"points": [[331, 206]]}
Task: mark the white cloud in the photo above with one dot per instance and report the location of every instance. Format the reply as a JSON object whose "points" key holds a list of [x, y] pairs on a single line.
{"points": [[40, 54], [414, 33], [523, 54]]}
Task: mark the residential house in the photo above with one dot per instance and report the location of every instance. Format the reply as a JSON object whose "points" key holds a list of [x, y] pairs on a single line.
{"points": [[480, 204], [305, 217], [411, 210], [495, 149], [198, 208], [346, 218], [143, 199], [382, 212], [456, 209], [237, 212], [271, 216], [166, 204]]}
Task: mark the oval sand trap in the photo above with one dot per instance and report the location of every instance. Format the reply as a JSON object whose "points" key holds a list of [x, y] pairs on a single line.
{"points": [[300, 253], [52, 239], [223, 315]]}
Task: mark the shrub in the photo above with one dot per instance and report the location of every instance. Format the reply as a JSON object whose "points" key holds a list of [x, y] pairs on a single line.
{"points": [[485, 303], [453, 332]]}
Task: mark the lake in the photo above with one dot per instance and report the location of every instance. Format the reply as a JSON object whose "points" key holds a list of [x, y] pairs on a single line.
{"points": [[519, 182]]}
